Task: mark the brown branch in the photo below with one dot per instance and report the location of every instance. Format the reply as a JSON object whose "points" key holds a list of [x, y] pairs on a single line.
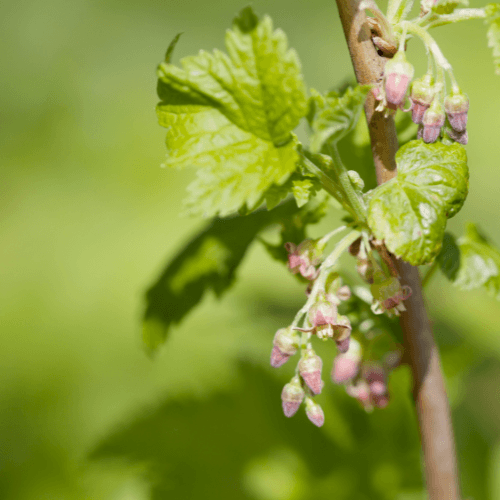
{"points": [[429, 391]]}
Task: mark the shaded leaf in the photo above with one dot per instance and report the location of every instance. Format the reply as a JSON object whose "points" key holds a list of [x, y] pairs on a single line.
{"points": [[410, 211], [332, 117], [479, 263], [233, 116], [449, 257], [209, 262]]}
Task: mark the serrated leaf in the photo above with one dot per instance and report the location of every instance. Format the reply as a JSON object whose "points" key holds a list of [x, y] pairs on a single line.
{"points": [[493, 33], [410, 211], [333, 117], [209, 262], [448, 6], [479, 263], [233, 116]]}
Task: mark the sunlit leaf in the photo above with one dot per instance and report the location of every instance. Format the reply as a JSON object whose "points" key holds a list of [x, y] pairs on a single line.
{"points": [[410, 211], [232, 116], [332, 117]]}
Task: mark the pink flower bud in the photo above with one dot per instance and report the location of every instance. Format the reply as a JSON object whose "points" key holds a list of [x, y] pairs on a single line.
{"points": [[310, 370], [422, 95], [344, 293], [314, 412], [456, 106], [361, 392], [322, 312], [380, 401], [343, 345], [346, 366], [398, 74], [285, 344], [303, 258], [433, 120], [375, 376], [291, 397], [460, 137]]}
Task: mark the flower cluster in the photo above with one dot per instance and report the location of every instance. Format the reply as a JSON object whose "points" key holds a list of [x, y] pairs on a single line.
{"points": [[365, 379]]}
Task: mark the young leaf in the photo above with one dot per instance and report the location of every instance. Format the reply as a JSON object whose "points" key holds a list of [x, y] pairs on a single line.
{"points": [[333, 117], [409, 212], [493, 33], [209, 262], [478, 263], [233, 116]]}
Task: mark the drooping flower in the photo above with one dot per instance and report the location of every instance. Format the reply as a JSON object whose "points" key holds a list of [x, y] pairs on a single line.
{"points": [[314, 412], [292, 396], [456, 106], [346, 365], [421, 96], [388, 295], [432, 121], [310, 366], [285, 344], [398, 75]]}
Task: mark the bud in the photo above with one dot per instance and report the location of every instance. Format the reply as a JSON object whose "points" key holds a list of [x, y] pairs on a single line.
{"points": [[365, 269], [398, 74], [310, 370], [388, 294], [361, 392], [344, 293], [375, 376], [422, 95], [456, 106], [460, 137], [314, 412], [322, 312], [346, 366], [292, 396], [303, 258], [285, 344], [433, 120]]}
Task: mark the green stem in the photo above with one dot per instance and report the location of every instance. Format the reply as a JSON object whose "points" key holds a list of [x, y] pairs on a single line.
{"points": [[354, 199], [319, 284], [330, 184], [458, 16], [429, 42]]}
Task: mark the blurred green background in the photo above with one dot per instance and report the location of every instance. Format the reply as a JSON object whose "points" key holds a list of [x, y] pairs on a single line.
{"points": [[87, 221]]}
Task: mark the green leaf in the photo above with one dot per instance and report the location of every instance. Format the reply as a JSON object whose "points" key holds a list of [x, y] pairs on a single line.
{"points": [[209, 262], [449, 257], [448, 6], [333, 117], [233, 116], [479, 263], [493, 33], [409, 212]]}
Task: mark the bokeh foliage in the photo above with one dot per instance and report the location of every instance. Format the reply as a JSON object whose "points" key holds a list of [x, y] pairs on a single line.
{"points": [[87, 220]]}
